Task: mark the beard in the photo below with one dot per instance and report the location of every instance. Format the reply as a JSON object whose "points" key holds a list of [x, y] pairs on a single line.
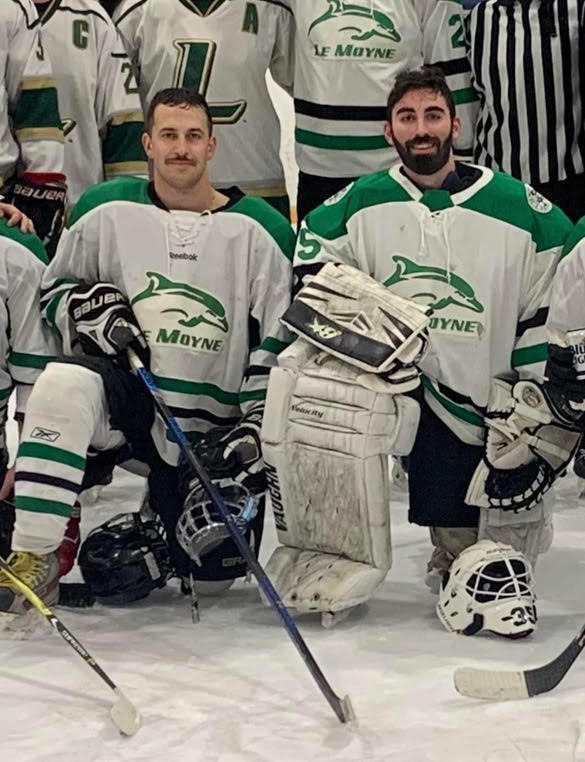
{"points": [[424, 164]]}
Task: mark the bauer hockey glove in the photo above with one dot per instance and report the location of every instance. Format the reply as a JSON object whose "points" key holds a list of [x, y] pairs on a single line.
{"points": [[105, 323], [235, 454], [44, 202]]}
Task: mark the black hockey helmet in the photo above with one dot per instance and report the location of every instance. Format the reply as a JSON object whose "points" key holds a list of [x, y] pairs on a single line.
{"points": [[125, 558]]}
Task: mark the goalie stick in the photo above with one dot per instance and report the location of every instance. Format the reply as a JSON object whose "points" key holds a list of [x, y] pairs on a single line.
{"points": [[342, 707], [505, 685], [123, 713]]}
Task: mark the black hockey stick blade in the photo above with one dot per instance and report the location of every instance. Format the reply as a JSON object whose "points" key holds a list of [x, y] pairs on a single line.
{"points": [[341, 706], [124, 714], [506, 685]]}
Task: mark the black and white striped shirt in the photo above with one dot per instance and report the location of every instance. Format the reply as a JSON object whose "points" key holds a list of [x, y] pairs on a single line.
{"points": [[528, 65]]}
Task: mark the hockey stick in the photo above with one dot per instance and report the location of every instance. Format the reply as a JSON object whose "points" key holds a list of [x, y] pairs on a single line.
{"points": [[505, 685], [124, 714], [342, 707]]}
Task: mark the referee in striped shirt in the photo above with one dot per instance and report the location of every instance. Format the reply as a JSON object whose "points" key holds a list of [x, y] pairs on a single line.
{"points": [[528, 66]]}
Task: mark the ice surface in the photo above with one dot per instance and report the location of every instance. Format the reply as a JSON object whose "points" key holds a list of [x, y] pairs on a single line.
{"points": [[233, 689]]}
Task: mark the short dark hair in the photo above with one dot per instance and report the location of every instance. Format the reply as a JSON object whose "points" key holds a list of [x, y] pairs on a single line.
{"points": [[425, 78], [178, 96]]}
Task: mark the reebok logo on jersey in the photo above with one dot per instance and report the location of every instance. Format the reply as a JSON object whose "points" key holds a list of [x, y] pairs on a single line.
{"points": [[350, 25], [47, 435], [184, 255], [181, 314]]}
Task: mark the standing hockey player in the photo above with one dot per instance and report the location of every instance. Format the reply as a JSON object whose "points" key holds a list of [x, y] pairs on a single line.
{"points": [[480, 248], [222, 49], [198, 277], [98, 97], [31, 138], [347, 55]]}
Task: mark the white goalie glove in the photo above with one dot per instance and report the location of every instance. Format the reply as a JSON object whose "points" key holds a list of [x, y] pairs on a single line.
{"points": [[351, 316], [527, 447]]}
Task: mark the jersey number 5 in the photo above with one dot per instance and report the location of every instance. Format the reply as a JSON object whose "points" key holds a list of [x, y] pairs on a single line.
{"points": [[193, 70]]}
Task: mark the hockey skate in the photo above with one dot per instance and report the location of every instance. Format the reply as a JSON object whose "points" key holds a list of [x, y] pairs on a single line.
{"points": [[41, 574]]}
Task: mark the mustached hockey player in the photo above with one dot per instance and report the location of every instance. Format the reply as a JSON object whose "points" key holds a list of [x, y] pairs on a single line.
{"points": [[480, 248], [223, 50], [198, 278], [98, 96], [31, 137]]}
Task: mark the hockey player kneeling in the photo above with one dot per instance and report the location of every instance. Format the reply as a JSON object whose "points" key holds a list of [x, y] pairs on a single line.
{"points": [[337, 407]]}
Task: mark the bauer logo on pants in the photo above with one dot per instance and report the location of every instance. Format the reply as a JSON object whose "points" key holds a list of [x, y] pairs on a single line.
{"points": [[45, 434]]}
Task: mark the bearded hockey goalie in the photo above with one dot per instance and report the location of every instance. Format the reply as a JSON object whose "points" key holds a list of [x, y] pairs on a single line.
{"points": [[337, 407]]}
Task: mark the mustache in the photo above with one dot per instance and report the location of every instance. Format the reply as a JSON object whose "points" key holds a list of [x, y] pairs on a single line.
{"points": [[180, 160], [425, 139]]}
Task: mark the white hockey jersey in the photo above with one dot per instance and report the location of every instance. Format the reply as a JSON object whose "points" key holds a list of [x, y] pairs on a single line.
{"points": [[223, 49], [347, 56], [98, 97], [26, 345], [567, 307], [30, 127], [483, 258], [207, 289]]}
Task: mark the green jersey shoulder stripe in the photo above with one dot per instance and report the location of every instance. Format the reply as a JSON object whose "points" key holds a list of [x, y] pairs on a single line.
{"points": [[512, 201], [273, 222], [132, 189], [28, 240], [330, 219]]}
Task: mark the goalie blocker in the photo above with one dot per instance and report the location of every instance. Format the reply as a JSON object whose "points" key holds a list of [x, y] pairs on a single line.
{"points": [[327, 432]]}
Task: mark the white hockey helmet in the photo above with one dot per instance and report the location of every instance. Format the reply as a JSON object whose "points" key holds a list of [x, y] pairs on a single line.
{"points": [[488, 588]]}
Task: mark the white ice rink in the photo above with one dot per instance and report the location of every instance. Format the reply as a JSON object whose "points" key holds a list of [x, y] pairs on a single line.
{"points": [[233, 688]]}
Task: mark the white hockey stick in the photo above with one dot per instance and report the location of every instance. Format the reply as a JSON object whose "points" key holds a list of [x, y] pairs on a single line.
{"points": [[505, 685], [124, 714]]}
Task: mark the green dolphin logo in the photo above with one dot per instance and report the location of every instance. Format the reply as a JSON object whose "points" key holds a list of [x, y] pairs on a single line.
{"points": [[372, 23], [460, 294], [213, 313]]}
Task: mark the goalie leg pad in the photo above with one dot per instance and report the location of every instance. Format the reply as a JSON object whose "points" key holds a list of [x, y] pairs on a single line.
{"points": [[326, 441], [528, 532], [309, 581]]}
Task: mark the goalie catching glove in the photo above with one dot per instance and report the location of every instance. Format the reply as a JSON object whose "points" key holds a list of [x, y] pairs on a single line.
{"points": [[351, 316], [104, 322], [527, 447]]}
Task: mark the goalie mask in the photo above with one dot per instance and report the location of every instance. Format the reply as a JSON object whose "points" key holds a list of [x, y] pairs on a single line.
{"points": [[125, 558], [488, 588], [201, 528]]}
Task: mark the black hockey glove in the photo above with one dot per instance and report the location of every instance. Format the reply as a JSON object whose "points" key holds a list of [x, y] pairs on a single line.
{"points": [[45, 204], [105, 323], [235, 454], [564, 391]]}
